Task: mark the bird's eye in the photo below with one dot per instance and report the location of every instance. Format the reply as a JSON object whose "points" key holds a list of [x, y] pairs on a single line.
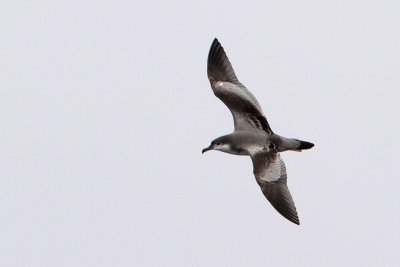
{"points": [[272, 146], [218, 144]]}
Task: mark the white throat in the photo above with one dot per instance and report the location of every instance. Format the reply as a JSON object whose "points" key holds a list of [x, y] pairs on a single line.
{"points": [[224, 148]]}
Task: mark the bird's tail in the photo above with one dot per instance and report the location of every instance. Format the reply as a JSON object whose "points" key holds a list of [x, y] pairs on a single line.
{"points": [[304, 145], [285, 144]]}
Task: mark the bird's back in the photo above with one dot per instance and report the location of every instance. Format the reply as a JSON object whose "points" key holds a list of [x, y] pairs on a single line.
{"points": [[249, 142]]}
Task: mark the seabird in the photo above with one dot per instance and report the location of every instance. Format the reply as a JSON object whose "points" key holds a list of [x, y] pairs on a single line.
{"points": [[252, 135]]}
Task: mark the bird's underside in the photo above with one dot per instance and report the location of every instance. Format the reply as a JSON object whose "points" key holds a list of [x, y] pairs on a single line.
{"points": [[249, 120]]}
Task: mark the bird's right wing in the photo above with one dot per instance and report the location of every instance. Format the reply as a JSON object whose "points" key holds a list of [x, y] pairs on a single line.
{"points": [[270, 172], [245, 109]]}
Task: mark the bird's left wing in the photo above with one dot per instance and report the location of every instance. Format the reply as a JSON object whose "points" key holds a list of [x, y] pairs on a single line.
{"points": [[245, 109], [270, 172]]}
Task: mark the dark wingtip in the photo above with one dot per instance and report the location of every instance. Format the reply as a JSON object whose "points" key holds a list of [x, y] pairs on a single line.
{"points": [[218, 66], [292, 218], [213, 51], [305, 145]]}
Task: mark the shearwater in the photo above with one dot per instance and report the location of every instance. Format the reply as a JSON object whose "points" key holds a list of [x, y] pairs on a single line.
{"points": [[252, 135]]}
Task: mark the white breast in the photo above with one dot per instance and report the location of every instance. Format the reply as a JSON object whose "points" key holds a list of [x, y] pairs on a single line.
{"points": [[256, 149]]}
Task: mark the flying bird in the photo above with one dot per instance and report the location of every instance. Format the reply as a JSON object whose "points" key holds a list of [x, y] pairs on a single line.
{"points": [[252, 135]]}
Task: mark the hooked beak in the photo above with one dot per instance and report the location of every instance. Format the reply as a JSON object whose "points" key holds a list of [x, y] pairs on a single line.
{"points": [[206, 149]]}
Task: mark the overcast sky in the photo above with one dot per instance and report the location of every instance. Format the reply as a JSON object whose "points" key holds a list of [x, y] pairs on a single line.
{"points": [[105, 107]]}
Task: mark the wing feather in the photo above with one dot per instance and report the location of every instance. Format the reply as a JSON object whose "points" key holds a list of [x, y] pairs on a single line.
{"points": [[270, 172], [246, 110]]}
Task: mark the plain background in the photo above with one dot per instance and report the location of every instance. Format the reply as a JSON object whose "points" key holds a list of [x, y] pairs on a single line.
{"points": [[105, 107]]}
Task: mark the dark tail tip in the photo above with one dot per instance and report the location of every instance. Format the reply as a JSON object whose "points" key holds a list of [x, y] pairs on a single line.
{"points": [[305, 145]]}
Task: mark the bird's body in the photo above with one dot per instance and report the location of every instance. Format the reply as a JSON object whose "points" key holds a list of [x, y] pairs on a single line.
{"points": [[244, 143], [252, 135]]}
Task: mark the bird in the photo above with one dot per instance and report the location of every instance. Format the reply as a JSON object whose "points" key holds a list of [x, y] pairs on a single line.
{"points": [[252, 135]]}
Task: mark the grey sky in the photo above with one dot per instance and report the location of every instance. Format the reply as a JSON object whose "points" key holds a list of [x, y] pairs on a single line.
{"points": [[105, 108]]}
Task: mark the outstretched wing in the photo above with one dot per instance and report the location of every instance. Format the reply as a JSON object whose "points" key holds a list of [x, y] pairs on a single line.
{"points": [[245, 109], [270, 172]]}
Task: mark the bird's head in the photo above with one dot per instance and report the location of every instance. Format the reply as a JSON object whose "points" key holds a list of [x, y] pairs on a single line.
{"points": [[221, 144]]}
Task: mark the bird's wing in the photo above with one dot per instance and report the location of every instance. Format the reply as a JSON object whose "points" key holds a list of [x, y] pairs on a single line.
{"points": [[270, 172], [244, 107]]}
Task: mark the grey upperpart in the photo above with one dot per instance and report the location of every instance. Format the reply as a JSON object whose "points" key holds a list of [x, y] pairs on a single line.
{"points": [[252, 135]]}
